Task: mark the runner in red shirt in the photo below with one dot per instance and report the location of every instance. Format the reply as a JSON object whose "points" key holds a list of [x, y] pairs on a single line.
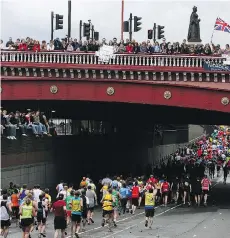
{"points": [[165, 187], [151, 179], [59, 209], [206, 183], [135, 197]]}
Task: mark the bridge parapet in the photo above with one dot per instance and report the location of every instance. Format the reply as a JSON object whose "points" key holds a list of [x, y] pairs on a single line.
{"points": [[79, 58], [33, 71]]}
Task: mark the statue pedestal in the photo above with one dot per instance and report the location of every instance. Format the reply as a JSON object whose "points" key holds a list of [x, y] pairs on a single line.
{"points": [[195, 43]]}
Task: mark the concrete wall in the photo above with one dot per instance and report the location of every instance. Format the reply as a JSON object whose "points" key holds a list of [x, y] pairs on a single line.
{"points": [[156, 153], [41, 173]]}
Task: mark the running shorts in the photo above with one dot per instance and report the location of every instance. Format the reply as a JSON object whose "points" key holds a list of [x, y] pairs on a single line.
{"points": [[76, 218], [135, 202], [59, 223], [149, 212]]}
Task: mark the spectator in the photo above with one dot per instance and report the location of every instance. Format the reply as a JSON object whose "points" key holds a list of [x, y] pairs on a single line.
{"points": [[226, 50], [143, 47], [10, 124], [176, 48], [157, 48], [1, 45], [43, 45], [136, 48], [41, 127], [84, 46], [23, 46], [20, 123], [170, 50], [126, 42], [30, 44], [29, 122], [115, 47], [184, 48], [50, 46], [207, 49], [58, 45], [149, 48], [129, 48], [36, 47], [95, 46], [164, 46], [121, 48], [9, 42], [69, 47], [75, 44], [44, 122]]}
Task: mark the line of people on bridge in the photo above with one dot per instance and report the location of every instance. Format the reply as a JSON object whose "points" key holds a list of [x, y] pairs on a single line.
{"points": [[119, 47], [184, 180]]}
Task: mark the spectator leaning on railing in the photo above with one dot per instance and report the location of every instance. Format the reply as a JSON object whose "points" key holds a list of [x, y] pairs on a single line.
{"points": [[120, 47]]}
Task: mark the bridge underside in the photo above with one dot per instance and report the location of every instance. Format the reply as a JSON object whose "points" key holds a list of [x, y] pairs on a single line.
{"points": [[138, 114]]}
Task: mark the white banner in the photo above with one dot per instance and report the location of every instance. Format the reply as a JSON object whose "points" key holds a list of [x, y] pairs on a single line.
{"points": [[227, 62], [105, 53]]}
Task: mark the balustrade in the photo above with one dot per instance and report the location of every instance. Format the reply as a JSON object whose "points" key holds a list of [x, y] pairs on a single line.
{"points": [[193, 61]]}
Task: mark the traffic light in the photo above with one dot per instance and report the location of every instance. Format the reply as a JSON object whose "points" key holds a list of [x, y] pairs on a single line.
{"points": [[59, 22], [160, 32], [96, 35], [137, 23], [125, 26], [150, 34], [86, 29]]}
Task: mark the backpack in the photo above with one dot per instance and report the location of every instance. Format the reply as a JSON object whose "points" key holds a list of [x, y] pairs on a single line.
{"points": [[4, 209], [41, 209]]}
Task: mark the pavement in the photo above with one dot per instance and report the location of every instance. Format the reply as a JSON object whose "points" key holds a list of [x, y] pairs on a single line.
{"points": [[173, 221]]}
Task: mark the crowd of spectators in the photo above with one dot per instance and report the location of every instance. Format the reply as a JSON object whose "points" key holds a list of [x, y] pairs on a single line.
{"points": [[34, 121], [127, 46]]}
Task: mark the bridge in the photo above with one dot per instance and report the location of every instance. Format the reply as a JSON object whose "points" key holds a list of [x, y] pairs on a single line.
{"points": [[165, 80]]}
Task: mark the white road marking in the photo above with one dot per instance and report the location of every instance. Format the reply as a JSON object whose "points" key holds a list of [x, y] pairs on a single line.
{"points": [[124, 219], [129, 227]]}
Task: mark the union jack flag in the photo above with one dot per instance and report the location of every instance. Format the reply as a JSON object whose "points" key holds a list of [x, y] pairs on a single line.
{"points": [[221, 25]]}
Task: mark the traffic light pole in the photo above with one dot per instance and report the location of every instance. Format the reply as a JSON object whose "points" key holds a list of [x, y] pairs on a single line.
{"points": [[154, 32], [52, 25], [92, 31], [69, 18], [80, 30], [130, 26]]}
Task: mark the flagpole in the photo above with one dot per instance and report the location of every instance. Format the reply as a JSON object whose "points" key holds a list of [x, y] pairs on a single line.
{"points": [[212, 35], [122, 18], [213, 30]]}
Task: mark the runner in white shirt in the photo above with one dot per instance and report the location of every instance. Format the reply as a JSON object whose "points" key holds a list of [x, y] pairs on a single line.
{"points": [[64, 192], [36, 193]]}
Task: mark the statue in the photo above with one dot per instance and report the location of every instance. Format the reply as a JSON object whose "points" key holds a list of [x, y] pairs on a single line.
{"points": [[194, 27]]}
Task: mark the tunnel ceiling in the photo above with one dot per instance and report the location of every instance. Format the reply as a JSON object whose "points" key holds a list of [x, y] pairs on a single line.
{"points": [[126, 113]]}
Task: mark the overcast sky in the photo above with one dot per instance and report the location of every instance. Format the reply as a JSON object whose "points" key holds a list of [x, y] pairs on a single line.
{"points": [[22, 18]]}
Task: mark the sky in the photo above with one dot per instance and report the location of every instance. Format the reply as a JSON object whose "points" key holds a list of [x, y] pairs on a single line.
{"points": [[23, 18]]}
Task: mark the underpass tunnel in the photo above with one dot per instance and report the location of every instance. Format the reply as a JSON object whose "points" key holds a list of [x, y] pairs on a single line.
{"points": [[134, 137], [117, 152]]}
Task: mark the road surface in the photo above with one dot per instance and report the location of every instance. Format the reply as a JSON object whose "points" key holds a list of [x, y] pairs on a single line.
{"points": [[174, 221]]}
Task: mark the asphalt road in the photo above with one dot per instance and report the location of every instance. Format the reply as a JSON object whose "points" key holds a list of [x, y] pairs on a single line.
{"points": [[169, 222]]}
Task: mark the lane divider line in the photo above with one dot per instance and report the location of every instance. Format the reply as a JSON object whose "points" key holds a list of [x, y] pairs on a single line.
{"points": [[120, 220], [129, 227]]}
